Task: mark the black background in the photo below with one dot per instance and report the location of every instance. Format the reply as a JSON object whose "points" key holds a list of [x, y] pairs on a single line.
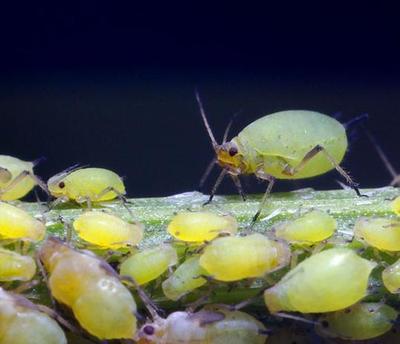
{"points": [[111, 84]]}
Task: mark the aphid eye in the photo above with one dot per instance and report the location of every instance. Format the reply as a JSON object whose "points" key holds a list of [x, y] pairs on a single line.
{"points": [[149, 330], [61, 185], [233, 151]]}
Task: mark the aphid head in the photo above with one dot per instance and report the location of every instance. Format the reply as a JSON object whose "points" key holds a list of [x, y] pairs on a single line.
{"points": [[228, 157], [152, 331], [57, 183]]}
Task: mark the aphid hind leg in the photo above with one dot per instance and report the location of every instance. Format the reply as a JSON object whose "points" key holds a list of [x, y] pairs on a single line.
{"points": [[291, 171], [18, 179], [119, 195]]}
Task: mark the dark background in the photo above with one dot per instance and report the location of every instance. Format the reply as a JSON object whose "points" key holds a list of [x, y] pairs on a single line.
{"points": [[111, 84]]}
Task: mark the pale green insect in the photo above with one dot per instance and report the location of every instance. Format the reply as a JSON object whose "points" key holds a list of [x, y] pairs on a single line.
{"points": [[17, 177], [102, 305], [185, 278], [284, 145], [380, 232], [149, 264], [86, 185], [327, 281], [200, 226], [208, 326], [16, 267], [22, 322], [358, 322], [391, 277], [310, 228], [17, 224], [107, 230], [235, 258]]}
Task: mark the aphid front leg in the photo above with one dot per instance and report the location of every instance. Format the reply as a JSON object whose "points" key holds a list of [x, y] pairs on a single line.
{"points": [[271, 181], [19, 178], [291, 171], [215, 187], [238, 185]]}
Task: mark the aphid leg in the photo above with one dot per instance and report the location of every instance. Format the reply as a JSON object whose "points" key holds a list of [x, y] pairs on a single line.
{"points": [[68, 229], [291, 171], [271, 181], [119, 195], [57, 201], [45, 278], [21, 177], [207, 172], [238, 185], [215, 187], [25, 286], [81, 200], [52, 313], [5, 175], [242, 304]]}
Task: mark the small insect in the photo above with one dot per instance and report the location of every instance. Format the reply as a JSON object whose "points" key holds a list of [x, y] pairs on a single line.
{"points": [[325, 282], [17, 178], [236, 258], [23, 322], [17, 224], [210, 325], [200, 226], [107, 230], [149, 264], [380, 232], [185, 278], [292, 144], [91, 288], [312, 227], [359, 322], [16, 267], [86, 185], [391, 277]]}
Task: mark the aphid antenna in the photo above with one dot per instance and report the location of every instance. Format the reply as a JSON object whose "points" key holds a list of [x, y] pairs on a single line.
{"points": [[39, 161], [229, 126], [358, 120], [67, 171], [206, 124], [295, 317], [207, 172]]}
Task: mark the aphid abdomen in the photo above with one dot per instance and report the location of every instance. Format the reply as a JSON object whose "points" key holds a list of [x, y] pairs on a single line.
{"points": [[15, 267]]}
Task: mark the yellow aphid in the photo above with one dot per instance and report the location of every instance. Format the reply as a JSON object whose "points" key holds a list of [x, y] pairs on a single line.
{"points": [[396, 205], [21, 322], [90, 287], [310, 228], [185, 278], [149, 264], [106, 230], [15, 267], [94, 184], [325, 282], [12, 168], [201, 226], [359, 322], [391, 277], [380, 232], [16, 223], [208, 326], [236, 258]]}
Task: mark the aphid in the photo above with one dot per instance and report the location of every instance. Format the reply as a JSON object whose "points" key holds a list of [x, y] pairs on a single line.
{"points": [[327, 281], [308, 229], [391, 277], [211, 326], [380, 232], [106, 230], [16, 267], [86, 185], [17, 224], [358, 322], [200, 226], [235, 258], [185, 278], [284, 145], [17, 177], [22, 322], [149, 264], [90, 287], [396, 205]]}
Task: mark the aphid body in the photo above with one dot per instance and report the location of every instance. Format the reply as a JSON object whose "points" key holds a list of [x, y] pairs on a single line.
{"points": [[327, 281], [149, 264], [308, 229], [22, 322], [185, 278], [95, 184], [213, 326], [107, 230], [236, 258], [391, 277], [361, 321], [380, 232], [16, 267], [200, 226], [91, 288], [17, 224]]}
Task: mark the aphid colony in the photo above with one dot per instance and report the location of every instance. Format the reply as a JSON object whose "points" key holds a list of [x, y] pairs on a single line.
{"points": [[297, 271]]}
